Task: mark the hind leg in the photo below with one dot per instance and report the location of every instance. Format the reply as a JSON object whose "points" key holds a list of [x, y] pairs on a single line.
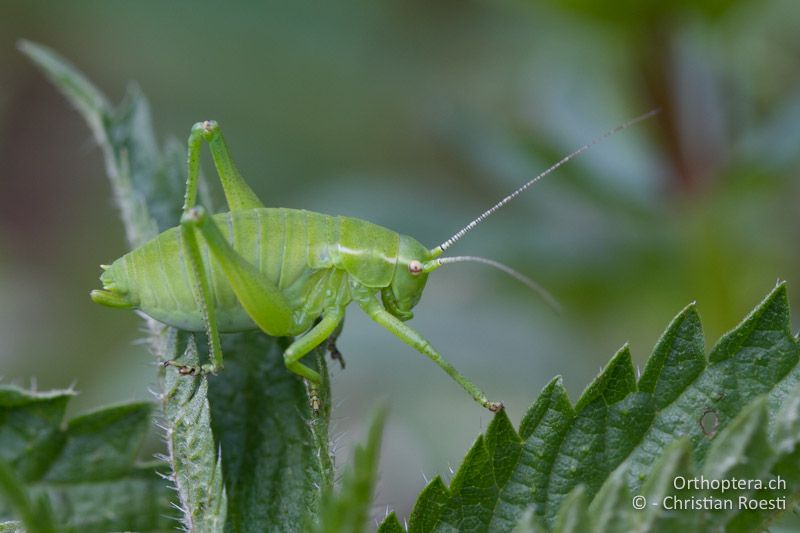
{"points": [[237, 192]]}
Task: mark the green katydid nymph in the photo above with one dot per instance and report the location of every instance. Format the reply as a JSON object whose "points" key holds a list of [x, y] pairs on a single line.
{"points": [[287, 272]]}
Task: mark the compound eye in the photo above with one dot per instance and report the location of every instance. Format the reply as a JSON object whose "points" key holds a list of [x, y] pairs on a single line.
{"points": [[415, 267]]}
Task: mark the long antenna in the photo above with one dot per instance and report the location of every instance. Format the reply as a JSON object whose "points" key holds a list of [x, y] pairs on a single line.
{"points": [[522, 278], [460, 233]]}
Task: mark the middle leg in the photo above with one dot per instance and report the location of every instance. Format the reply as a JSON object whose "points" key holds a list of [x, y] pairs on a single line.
{"points": [[317, 335]]}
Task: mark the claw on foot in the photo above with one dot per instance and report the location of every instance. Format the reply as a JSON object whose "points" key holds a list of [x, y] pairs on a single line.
{"points": [[336, 355], [191, 370], [314, 402], [495, 407]]}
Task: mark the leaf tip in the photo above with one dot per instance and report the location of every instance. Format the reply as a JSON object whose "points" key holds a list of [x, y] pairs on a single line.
{"points": [[33, 50], [614, 382], [553, 395], [777, 296], [771, 313], [22, 44], [29, 47]]}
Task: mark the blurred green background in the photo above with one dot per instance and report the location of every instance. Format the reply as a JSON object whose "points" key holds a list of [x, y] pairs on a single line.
{"points": [[418, 116]]}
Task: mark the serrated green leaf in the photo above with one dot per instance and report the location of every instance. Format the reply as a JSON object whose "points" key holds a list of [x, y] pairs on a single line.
{"points": [[87, 476], [347, 510], [677, 359], [136, 502], [258, 406], [101, 444], [390, 525], [30, 433], [543, 428], [758, 356], [675, 494], [613, 384], [193, 453], [472, 492], [619, 439], [429, 506]]}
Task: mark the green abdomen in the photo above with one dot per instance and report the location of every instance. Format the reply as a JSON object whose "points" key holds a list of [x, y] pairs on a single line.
{"points": [[296, 250]]}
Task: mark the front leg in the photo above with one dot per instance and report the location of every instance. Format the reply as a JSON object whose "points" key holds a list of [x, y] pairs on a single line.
{"points": [[380, 315]]}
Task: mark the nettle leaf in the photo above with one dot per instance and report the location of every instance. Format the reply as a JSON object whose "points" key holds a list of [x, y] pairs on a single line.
{"points": [[750, 449], [243, 447], [246, 448], [35, 515], [77, 476], [570, 467], [274, 451], [192, 451]]}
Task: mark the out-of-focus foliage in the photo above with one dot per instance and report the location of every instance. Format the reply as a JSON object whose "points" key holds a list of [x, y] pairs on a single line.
{"points": [[639, 15], [77, 476], [417, 116], [347, 509]]}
